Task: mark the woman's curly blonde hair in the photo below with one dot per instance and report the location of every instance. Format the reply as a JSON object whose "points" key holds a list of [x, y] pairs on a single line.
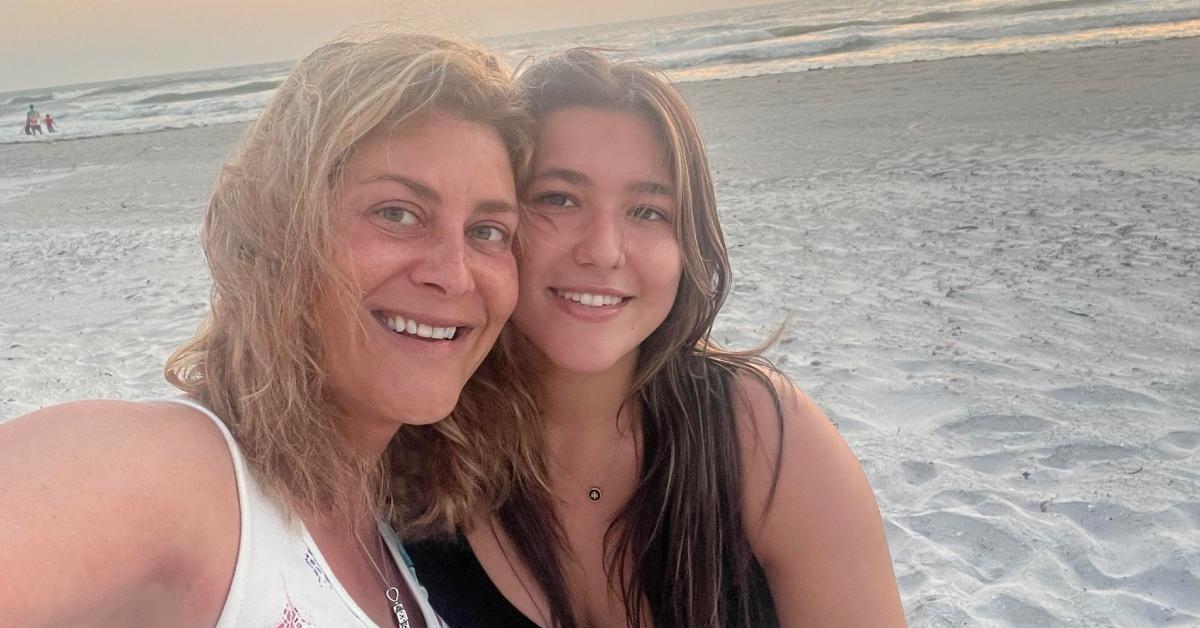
{"points": [[258, 360]]}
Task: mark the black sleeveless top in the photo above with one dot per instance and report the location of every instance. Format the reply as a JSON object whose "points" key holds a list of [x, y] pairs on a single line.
{"points": [[461, 592]]}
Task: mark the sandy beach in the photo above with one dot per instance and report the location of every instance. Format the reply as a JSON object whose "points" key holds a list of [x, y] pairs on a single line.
{"points": [[989, 266]]}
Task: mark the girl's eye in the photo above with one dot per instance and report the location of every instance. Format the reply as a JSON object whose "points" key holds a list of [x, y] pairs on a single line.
{"points": [[490, 233], [645, 212], [398, 215], [557, 200]]}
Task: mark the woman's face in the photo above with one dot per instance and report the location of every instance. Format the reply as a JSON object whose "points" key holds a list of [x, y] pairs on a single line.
{"points": [[425, 222], [600, 265]]}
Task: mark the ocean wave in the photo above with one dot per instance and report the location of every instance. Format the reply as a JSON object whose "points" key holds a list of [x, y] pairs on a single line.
{"points": [[797, 50], [808, 29], [21, 100], [244, 88], [1064, 25], [743, 36], [716, 40], [118, 132], [123, 88], [932, 17], [791, 43], [143, 84]]}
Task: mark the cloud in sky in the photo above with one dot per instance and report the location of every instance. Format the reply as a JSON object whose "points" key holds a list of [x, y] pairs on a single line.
{"points": [[76, 41]]}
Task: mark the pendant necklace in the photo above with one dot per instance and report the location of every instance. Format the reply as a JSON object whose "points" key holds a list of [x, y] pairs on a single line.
{"points": [[392, 593], [595, 491]]}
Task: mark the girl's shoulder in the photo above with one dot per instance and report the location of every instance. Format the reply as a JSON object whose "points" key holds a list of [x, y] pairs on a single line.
{"points": [[808, 509], [794, 460], [766, 401]]}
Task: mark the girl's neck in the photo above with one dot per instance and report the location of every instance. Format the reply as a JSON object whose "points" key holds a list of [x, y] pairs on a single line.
{"points": [[584, 407]]}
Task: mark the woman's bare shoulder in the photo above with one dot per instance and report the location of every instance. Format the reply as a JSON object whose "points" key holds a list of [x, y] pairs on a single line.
{"points": [[167, 440], [141, 488], [150, 419]]}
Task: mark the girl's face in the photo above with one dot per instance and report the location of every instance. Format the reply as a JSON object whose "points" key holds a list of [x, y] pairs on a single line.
{"points": [[426, 218], [600, 265]]}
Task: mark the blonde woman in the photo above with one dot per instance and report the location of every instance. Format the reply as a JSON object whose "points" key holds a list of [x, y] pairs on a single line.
{"points": [[360, 248]]}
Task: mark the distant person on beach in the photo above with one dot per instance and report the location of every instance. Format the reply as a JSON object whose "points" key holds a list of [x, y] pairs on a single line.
{"points": [[674, 482], [33, 122], [359, 241], [49, 123]]}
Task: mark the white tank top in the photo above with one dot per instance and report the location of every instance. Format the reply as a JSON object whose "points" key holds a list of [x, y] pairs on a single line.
{"points": [[280, 579]]}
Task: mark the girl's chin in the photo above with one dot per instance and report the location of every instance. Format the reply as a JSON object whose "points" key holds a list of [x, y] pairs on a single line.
{"points": [[584, 361], [572, 353]]}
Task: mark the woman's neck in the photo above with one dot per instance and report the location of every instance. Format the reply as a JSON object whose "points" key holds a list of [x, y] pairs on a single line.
{"points": [[580, 410]]}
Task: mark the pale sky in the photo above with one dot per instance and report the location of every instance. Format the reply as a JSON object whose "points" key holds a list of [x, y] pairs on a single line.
{"points": [[75, 41]]}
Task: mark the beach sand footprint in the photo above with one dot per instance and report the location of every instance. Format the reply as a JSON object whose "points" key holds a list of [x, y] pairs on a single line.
{"points": [[918, 472], [1009, 437], [1179, 444], [995, 426], [1101, 395], [1077, 455], [985, 550]]}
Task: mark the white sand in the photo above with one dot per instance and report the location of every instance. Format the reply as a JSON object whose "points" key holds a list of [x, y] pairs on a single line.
{"points": [[990, 266]]}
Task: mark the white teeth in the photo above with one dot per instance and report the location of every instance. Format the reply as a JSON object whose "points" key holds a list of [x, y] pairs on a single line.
{"points": [[407, 326], [590, 300]]}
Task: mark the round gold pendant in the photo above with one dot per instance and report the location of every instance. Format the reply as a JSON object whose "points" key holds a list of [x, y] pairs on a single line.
{"points": [[594, 494]]}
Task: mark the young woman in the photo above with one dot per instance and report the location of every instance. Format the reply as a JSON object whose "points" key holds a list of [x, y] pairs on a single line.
{"points": [[360, 248], [680, 484]]}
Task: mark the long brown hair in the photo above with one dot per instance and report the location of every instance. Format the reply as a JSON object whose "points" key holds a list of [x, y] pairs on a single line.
{"points": [[258, 360], [678, 548]]}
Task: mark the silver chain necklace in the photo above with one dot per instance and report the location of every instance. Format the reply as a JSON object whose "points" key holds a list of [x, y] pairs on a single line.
{"points": [[392, 593]]}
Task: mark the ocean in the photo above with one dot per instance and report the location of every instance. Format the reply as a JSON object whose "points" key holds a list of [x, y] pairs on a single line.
{"points": [[767, 39]]}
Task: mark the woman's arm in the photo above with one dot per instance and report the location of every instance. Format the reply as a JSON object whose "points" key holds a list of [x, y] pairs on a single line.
{"points": [[820, 539], [114, 513]]}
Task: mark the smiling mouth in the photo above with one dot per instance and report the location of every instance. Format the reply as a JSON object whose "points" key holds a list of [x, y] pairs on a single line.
{"points": [[416, 329], [599, 301]]}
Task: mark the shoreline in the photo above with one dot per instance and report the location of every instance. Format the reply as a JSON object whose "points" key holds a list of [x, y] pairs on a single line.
{"points": [[964, 59], [702, 85]]}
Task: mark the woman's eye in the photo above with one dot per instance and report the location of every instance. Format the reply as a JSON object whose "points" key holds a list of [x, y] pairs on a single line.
{"points": [[398, 215], [557, 200], [645, 212], [490, 233]]}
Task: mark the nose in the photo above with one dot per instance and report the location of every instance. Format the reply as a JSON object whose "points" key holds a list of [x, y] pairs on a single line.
{"points": [[602, 241], [443, 265]]}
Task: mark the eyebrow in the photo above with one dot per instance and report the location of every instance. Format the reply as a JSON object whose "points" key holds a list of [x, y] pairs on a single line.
{"points": [[423, 191], [650, 187], [426, 193], [496, 207], [575, 177]]}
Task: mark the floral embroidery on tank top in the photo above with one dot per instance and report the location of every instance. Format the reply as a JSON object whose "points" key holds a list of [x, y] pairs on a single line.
{"points": [[292, 618]]}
